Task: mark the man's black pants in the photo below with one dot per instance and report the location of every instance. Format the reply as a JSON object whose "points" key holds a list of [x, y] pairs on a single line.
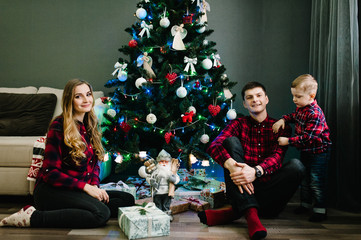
{"points": [[270, 197]]}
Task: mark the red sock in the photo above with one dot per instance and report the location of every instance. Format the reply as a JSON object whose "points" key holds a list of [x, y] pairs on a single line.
{"points": [[217, 217], [255, 227]]}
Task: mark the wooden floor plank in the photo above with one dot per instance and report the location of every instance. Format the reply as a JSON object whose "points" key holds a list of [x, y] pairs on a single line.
{"points": [[186, 226]]}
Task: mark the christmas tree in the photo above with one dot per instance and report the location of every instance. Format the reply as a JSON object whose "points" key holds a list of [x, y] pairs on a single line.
{"points": [[170, 91]]}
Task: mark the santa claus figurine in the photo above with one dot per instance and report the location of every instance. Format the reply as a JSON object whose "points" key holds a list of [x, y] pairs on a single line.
{"points": [[162, 180]]}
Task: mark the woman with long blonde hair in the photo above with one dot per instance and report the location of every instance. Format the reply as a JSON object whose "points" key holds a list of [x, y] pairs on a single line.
{"points": [[67, 192]]}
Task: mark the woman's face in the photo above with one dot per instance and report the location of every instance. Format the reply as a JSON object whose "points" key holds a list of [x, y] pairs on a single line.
{"points": [[83, 100]]}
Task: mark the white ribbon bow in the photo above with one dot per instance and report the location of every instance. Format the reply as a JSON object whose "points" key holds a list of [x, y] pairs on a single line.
{"points": [[149, 206], [146, 29], [118, 68], [217, 59], [190, 63]]}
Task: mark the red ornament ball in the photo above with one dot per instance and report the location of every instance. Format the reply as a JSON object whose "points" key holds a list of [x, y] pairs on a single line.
{"points": [[132, 43]]}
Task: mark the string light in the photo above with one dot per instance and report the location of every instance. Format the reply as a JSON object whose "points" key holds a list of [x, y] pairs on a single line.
{"points": [[119, 158], [205, 163]]}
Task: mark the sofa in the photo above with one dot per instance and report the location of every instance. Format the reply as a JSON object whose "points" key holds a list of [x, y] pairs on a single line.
{"points": [[25, 114]]}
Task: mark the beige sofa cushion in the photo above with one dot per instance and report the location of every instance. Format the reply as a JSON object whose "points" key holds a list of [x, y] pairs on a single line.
{"points": [[13, 181], [29, 89], [16, 151]]}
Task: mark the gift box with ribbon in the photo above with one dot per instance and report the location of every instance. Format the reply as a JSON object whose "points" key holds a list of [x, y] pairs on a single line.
{"points": [[182, 192], [119, 186], [143, 221], [215, 197], [197, 204], [178, 206]]}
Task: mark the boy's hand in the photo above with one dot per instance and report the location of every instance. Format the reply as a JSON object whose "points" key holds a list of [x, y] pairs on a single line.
{"points": [[276, 126], [283, 141]]}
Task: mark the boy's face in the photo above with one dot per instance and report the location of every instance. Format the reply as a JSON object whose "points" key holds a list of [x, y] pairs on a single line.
{"points": [[255, 100], [301, 98]]}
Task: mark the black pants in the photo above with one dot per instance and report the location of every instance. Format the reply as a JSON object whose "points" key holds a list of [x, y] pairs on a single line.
{"points": [[270, 197], [162, 201], [63, 208]]}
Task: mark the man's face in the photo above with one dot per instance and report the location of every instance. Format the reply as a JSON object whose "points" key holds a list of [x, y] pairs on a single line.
{"points": [[255, 100], [163, 163]]}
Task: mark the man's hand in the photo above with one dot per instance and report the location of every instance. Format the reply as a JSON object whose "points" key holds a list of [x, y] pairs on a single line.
{"points": [[96, 192], [240, 174], [276, 126], [283, 141]]}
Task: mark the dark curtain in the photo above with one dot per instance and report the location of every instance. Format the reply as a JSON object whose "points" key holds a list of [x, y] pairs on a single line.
{"points": [[334, 62]]}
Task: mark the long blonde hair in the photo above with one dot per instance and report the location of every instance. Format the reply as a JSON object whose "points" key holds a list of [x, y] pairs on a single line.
{"points": [[72, 137]]}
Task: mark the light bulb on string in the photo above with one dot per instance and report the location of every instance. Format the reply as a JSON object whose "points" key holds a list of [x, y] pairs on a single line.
{"points": [[192, 158], [106, 157], [205, 163], [119, 158]]}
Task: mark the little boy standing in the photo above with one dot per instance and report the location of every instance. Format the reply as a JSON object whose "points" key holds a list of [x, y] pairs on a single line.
{"points": [[312, 138]]}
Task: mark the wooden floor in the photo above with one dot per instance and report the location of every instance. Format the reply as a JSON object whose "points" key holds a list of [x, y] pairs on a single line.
{"points": [[339, 225]]}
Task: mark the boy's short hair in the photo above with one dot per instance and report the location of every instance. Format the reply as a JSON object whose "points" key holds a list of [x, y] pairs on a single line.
{"points": [[306, 82], [251, 85]]}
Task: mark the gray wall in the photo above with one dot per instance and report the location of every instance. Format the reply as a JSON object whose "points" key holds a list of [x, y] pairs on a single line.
{"points": [[48, 42]]}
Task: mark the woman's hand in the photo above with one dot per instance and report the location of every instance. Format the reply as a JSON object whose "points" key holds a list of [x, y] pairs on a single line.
{"points": [[96, 192]]}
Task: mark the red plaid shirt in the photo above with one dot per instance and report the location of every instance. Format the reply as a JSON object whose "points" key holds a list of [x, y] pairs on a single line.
{"points": [[311, 130], [60, 173], [259, 143]]}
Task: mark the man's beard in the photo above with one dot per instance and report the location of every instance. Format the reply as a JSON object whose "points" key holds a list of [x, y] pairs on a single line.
{"points": [[163, 171]]}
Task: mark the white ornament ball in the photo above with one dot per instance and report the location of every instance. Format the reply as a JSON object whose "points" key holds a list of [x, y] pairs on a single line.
{"points": [[164, 22], [111, 112], [204, 139], [207, 63], [201, 30], [231, 114], [181, 92], [192, 109], [141, 13], [139, 82], [151, 118], [205, 42], [123, 76]]}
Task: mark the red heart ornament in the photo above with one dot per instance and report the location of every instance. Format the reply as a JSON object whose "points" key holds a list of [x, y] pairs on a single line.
{"points": [[214, 110], [167, 137], [171, 77]]}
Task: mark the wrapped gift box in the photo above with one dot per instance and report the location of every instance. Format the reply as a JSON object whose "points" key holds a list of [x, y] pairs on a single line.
{"points": [[215, 197], [182, 192], [197, 204], [201, 172], [153, 223], [119, 186], [184, 175], [215, 184], [178, 206], [196, 183], [200, 183]]}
